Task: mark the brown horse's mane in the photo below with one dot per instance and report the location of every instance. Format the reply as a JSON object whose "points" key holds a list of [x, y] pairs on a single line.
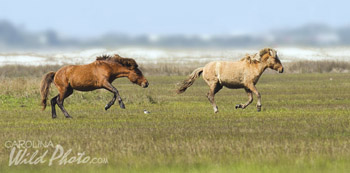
{"points": [[126, 62]]}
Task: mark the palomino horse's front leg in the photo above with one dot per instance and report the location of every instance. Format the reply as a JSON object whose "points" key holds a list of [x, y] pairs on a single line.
{"points": [[258, 104], [250, 95], [256, 92], [116, 95]]}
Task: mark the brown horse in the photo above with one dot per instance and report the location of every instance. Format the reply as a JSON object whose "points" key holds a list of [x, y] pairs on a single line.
{"points": [[99, 74], [241, 74]]}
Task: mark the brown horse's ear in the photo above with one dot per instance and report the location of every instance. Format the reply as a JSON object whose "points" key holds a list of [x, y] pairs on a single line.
{"points": [[117, 56], [128, 63]]}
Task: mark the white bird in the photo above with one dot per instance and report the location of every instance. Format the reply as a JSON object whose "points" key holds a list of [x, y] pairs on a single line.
{"points": [[146, 111]]}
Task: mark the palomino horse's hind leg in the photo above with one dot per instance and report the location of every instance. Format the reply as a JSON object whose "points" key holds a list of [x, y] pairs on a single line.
{"points": [[116, 95], [60, 100], [250, 95], [214, 88]]}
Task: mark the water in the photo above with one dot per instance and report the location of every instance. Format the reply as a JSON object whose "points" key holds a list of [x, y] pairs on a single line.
{"points": [[161, 55]]}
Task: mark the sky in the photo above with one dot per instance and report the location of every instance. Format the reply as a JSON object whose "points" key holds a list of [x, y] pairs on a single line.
{"points": [[84, 18]]}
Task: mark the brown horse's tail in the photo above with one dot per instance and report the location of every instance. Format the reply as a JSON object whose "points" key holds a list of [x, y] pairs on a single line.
{"points": [[188, 82], [45, 86]]}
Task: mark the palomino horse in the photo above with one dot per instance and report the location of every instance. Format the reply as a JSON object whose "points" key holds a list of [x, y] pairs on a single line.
{"points": [[241, 74], [99, 74]]}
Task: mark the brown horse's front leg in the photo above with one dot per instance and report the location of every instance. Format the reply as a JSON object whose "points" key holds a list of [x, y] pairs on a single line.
{"points": [[116, 95], [109, 104]]}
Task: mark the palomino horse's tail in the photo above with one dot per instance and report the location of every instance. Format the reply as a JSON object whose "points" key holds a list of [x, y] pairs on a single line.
{"points": [[45, 86], [188, 82]]}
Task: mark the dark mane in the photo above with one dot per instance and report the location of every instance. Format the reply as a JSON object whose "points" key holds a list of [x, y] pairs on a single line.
{"points": [[103, 57], [126, 62]]}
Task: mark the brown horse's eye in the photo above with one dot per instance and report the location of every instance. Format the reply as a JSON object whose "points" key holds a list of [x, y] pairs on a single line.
{"points": [[138, 72]]}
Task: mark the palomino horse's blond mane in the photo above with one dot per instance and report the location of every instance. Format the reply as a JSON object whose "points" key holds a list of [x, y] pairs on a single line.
{"points": [[256, 57]]}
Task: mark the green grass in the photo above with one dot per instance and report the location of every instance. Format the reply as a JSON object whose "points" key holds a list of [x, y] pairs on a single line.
{"points": [[304, 126]]}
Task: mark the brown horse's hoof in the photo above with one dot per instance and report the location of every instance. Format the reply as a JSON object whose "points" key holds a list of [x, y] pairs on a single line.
{"points": [[53, 117], [121, 104], [69, 117], [107, 107], [238, 106]]}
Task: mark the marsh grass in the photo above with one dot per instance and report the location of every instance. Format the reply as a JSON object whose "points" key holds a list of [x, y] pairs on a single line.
{"points": [[304, 126], [183, 69], [318, 67]]}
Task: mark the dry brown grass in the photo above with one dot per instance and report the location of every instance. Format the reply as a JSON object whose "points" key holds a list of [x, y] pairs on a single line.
{"points": [[26, 71]]}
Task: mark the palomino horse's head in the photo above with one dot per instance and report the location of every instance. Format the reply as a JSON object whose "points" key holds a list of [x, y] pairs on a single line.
{"points": [[270, 57]]}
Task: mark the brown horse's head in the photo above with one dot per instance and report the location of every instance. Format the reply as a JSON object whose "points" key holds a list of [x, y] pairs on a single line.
{"points": [[134, 74], [270, 57]]}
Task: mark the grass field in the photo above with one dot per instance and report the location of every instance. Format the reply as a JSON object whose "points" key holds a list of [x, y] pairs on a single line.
{"points": [[304, 126]]}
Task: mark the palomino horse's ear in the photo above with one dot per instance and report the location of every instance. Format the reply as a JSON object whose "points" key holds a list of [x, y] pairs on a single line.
{"points": [[256, 57], [272, 52]]}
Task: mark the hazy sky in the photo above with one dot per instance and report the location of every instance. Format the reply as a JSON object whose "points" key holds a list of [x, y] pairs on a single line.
{"points": [[84, 18]]}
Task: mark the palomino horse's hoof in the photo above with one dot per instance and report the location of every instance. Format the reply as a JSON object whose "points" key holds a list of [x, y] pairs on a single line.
{"points": [[259, 108], [238, 106], [216, 110]]}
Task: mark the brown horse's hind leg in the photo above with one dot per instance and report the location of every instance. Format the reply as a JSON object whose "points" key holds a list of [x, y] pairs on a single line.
{"points": [[60, 99], [53, 106], [108, 86], [250, 95], [214, 88]]}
